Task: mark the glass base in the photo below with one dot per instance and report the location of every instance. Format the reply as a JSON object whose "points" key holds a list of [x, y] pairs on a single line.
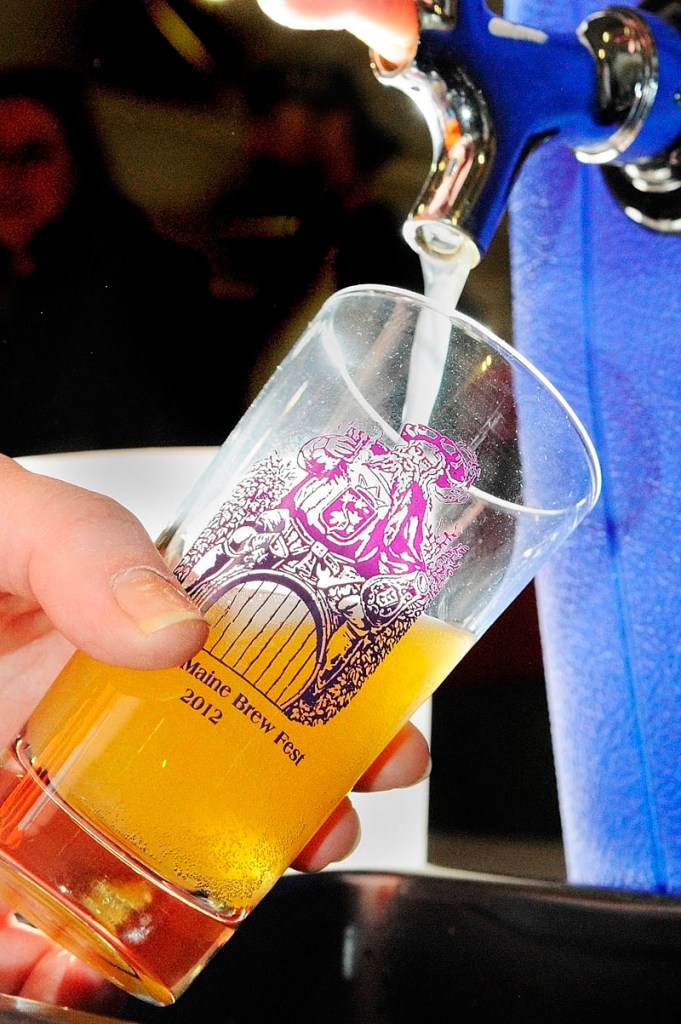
{"points": [[109, 912]]}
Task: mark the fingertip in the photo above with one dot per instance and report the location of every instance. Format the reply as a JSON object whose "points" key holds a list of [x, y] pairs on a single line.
{"points": [[393, 41], [389, 27], [60, 979], [169, 626], [152, 599], [102, 581], [335, 840], [83, 988], [404, 762]]}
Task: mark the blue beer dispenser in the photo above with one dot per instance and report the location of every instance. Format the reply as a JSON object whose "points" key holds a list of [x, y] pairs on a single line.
{"points": [[575, 126]]}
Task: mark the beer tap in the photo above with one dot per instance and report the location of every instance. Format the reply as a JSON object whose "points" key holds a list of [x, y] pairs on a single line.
{"points": [[491, 91]]}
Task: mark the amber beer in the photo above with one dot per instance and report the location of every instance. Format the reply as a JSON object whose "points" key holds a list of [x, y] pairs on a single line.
{"points": [[184, 782]]}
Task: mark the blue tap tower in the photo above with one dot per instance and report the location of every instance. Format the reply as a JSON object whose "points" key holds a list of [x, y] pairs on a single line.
{"points": [[597, 303], [573, 119]]}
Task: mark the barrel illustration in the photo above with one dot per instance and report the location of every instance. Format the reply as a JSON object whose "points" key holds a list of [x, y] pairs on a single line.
{"points": [[270, 629]]}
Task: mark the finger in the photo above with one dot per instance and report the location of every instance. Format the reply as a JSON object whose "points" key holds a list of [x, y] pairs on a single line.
{"points": [[34, 967], [388, 26], [94, 570], [335, 840], [21, 622], [59, 978], [404, 762], [20, 948], [25, 675]]}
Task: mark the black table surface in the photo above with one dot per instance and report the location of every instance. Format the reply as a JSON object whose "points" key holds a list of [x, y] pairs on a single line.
{"points": [[424, 948]]}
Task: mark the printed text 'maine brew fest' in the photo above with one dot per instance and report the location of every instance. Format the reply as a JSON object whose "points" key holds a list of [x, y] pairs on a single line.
{"points": [[242, 703]]}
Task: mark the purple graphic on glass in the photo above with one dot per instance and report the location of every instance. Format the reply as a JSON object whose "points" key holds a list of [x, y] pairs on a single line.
{"points": [[313, 570]]}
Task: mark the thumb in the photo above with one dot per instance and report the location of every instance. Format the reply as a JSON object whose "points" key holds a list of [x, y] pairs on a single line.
{"points": [[92, 567]]}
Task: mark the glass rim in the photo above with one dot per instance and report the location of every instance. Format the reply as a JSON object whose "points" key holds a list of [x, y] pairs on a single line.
{"points": [[511, 355]]}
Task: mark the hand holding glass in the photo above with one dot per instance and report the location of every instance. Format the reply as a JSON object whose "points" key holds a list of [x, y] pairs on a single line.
{"points": [[397, 483]]}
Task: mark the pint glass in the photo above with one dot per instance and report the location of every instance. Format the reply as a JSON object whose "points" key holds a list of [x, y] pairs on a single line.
{"points": [[369, 517]]}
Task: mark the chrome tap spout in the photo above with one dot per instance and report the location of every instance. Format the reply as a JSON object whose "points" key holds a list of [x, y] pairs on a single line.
{"points": [[491, 90]]}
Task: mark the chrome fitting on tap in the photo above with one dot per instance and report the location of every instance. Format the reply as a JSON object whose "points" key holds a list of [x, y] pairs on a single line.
{"points": [[626, 62], [648, 186], [463, 148]]}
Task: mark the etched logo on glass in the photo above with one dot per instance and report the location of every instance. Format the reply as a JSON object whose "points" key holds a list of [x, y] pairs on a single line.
{"points": [[312, 570]]}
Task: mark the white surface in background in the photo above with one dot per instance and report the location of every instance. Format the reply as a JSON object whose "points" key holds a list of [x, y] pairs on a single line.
{"points": [[152, 482]]}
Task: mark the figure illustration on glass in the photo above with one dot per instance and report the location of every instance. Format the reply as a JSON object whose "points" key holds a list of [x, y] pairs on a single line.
{"points": [[313, 570]]}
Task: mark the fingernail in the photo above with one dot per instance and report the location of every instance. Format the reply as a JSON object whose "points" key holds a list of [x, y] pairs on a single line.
{"points": [[152, 601]]}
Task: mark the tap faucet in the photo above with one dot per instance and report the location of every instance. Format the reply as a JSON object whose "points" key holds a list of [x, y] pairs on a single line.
{"points": [[491, 90]]}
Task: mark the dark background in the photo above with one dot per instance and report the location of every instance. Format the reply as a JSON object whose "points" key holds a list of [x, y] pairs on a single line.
{"points": [[169, 86]]}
